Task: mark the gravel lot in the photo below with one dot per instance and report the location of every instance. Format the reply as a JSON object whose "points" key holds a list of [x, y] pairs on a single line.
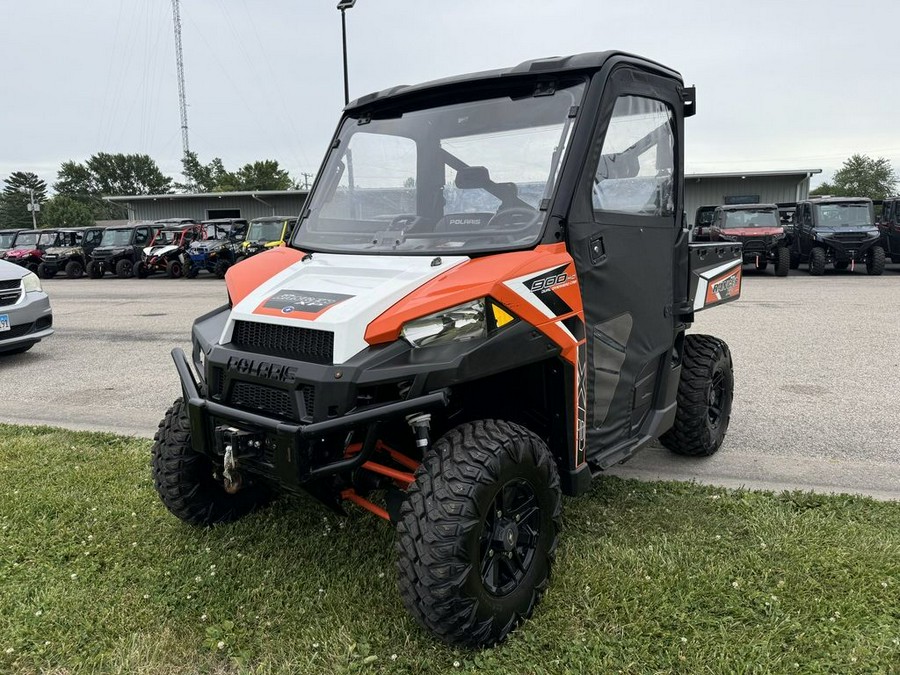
{"points": [[816, 370]]}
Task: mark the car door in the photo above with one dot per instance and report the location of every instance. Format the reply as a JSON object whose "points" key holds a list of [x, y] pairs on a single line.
{"points": [[622, 235]]}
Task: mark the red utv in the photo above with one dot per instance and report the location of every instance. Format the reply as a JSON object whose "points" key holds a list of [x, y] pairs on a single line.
{"points": [[759, 228]]}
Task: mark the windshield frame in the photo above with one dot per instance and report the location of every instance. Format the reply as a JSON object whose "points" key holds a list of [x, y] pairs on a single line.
{"points": [[575, 85], [27, 233], [7, 239], [111, 230], [262, 225], [870, 219], [772, 212]]}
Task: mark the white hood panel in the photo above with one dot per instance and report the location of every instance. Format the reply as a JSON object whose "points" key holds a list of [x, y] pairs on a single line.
{"points": [[355, 289]]}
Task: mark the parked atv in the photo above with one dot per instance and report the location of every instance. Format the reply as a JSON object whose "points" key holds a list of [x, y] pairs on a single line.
{"points": [[702, 222], [837, 230], [120, 249], [889, 226], [266, 233], [456, 372], [7, 239], [758, 228], [72, 252], [167, 251], [29, 246], [218, 251]]}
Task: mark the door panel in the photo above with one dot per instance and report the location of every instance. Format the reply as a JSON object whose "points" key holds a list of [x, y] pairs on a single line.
{"points": [[623, 244]]}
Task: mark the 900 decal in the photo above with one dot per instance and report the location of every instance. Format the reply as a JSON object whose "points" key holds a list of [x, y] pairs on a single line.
{"points": [[547, 282]]}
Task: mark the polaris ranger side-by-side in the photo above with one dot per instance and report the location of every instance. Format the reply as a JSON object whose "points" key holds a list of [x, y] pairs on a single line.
{"points": [[889, 225], [120, 249], [29, 246], [839, 230], [72, 252], [218, 251], [759, 229], [455, 352], [266, 233], [703, 220]]}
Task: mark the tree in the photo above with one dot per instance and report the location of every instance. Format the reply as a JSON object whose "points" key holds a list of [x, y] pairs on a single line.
{"points": [[202, 177], [63, 211], [105, 174], [861, 176], [17, 195], [262, 175]]}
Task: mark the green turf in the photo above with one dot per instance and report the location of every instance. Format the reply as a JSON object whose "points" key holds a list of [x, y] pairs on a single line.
{"points": [[95, 576]]}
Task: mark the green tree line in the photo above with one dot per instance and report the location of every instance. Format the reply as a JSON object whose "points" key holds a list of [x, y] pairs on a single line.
{"points": [[80, 187]]}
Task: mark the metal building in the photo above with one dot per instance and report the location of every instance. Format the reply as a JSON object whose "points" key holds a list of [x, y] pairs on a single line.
{"points": [[206, 206], [700, 189], [748, 187]]}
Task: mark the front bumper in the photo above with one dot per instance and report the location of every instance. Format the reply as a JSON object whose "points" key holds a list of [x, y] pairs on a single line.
{"points": [[31, 320], [291, 454], [848, 247]]}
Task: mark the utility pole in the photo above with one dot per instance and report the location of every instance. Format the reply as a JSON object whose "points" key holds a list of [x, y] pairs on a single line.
{"points": [[306, 177], [34, 207], [179, 64]]}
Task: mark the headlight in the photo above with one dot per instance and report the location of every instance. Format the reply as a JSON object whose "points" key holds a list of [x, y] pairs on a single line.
{"points": [[31, 282], [464, 322]]}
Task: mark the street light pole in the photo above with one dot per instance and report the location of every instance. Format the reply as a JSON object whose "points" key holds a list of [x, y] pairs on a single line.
{"points": [[344, 5]]}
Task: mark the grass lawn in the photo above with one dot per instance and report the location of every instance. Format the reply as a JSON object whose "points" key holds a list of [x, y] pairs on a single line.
{"points": [[95, 576]]}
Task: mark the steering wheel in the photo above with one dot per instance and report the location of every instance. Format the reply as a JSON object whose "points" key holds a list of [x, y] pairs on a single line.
{"points": [[405, 221], [517, 219]]}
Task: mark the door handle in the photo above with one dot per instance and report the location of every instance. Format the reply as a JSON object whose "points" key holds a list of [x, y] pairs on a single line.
{"points": [[598, 250]]}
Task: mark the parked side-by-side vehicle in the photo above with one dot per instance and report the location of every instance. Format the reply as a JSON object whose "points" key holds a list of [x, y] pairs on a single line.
{"points": [[457, 351], [759, 229], [219, 250], [836, 230], [120, 249], [889, 226], [167, 251], [266, 233], [29, 246], [71, 253]]}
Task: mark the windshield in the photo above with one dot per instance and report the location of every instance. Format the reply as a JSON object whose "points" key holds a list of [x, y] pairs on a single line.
{"points": [[751, 218], [116, 237], [457, 178], [6, 239], [842, 215], [48, 238], [27, 239], [265, 231]]}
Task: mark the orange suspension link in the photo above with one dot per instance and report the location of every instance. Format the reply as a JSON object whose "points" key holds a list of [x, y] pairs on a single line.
{"points": [[351, 496]]}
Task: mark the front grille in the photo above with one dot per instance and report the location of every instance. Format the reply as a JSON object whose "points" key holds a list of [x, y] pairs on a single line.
{"points": [[753, 245], [6, 284], [17, 331], [305, 344], [259, 398], [9, 297], [849, 237]]}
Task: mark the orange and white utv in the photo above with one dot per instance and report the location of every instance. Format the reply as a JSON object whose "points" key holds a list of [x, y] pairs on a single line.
{"points": [[484, 304]]}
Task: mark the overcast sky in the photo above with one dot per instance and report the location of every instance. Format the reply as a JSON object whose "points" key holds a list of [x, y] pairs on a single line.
{"points": [[781, 84]]}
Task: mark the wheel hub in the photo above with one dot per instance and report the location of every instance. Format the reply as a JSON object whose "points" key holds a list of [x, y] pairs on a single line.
{"points": [[509, 537], [506, 536]]}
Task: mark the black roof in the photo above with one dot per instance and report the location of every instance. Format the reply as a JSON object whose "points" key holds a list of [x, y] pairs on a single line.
{"points": [[553, 65], [839, 200]]}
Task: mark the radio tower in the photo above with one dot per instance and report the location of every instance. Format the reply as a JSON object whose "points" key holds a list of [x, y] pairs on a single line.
{"points": [[179, 64]]}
